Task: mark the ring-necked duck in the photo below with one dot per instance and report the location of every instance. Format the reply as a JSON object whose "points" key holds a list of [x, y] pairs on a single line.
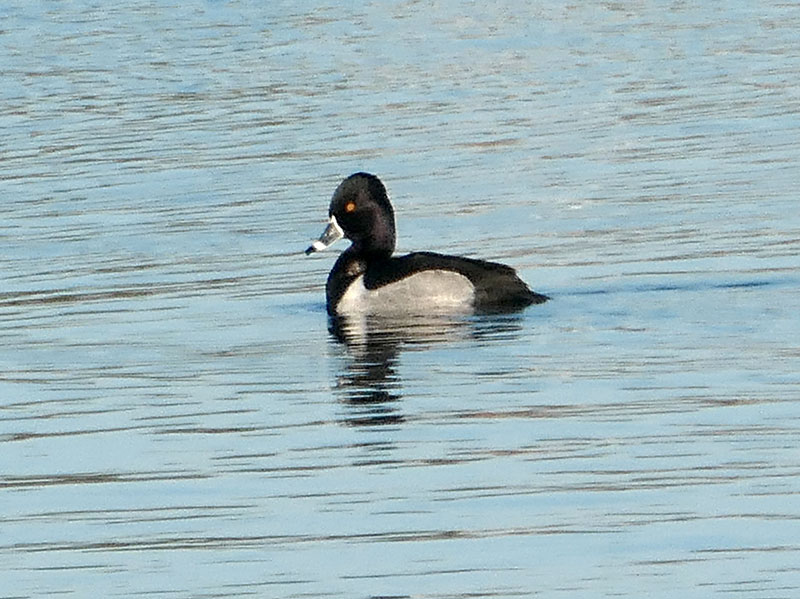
{"points": [[366, 278]]}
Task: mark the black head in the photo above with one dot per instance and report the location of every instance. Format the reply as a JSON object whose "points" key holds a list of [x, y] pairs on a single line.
{"points": [[362, 209]]}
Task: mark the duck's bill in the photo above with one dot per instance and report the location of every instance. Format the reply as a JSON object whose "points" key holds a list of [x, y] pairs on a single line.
{"points": [[332, 233]]}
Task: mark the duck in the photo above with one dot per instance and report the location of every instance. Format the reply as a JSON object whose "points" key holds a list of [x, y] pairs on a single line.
{"points": [[367, 278]]}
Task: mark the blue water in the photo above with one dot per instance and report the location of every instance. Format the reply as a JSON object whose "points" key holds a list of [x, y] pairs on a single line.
{"points": [[177, 420]]}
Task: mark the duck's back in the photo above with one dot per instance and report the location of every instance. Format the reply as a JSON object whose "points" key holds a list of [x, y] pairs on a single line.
{"points": [[495, 286]]}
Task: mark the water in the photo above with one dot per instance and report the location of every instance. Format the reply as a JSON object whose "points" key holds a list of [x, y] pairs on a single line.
{"points": [[177, 420]]}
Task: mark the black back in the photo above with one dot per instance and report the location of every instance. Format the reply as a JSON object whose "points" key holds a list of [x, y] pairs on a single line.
{"points": [[497, 286]]}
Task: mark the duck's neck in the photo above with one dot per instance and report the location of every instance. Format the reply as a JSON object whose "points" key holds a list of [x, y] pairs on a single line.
{"points": [[370, 252]]}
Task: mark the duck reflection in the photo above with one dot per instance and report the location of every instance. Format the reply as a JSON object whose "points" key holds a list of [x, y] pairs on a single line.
{"points": [[369, 383]]}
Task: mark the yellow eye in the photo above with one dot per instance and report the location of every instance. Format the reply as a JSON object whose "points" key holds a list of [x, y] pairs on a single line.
{"points": [[349, 206]]}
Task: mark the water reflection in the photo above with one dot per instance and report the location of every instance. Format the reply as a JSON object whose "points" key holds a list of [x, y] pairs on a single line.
{"points": [[369, 383]]}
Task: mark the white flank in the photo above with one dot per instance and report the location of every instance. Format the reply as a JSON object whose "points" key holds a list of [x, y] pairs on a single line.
{"points": [[423, 292]]}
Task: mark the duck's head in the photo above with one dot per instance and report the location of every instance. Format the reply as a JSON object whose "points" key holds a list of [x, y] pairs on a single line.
{"points": [[360, 211]]}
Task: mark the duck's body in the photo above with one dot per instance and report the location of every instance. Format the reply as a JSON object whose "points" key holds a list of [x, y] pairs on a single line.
{"points": [[366, 278]]}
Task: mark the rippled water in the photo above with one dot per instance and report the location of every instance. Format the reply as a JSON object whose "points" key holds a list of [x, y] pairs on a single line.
{"points": [[176, 419]]}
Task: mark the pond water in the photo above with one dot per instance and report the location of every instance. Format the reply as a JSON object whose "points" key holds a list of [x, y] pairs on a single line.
{"points": [[176, 417]]}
